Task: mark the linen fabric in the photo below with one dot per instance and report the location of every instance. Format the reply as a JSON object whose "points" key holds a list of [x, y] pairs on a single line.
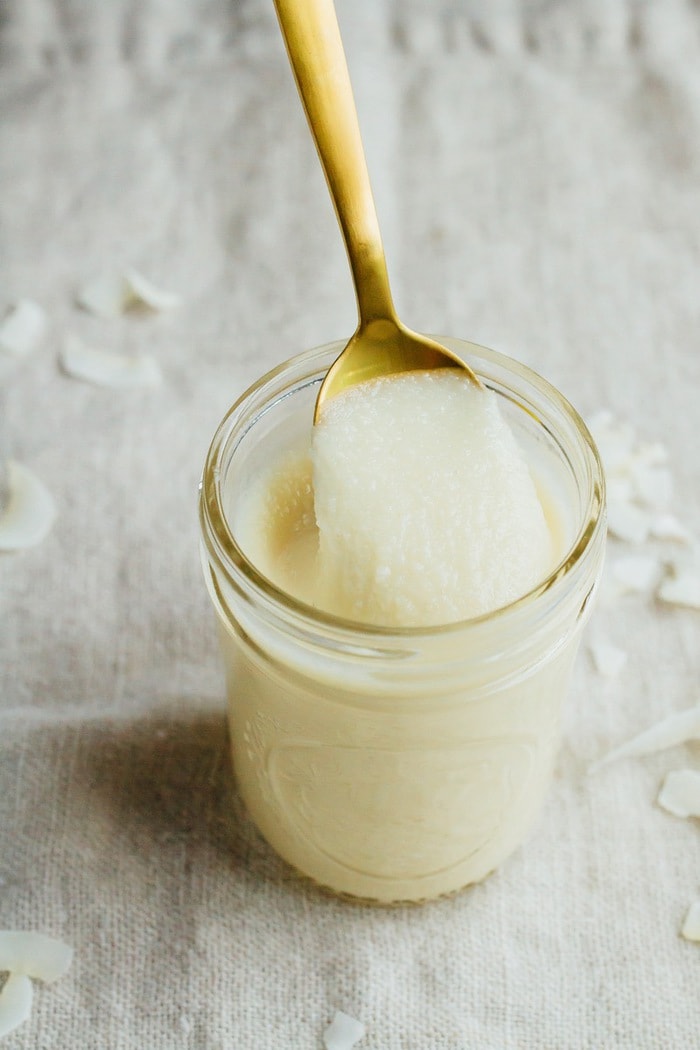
{"points": [[536, 168]]}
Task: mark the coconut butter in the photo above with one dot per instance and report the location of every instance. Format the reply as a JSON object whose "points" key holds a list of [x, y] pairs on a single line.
{"points": [[399, 620]]}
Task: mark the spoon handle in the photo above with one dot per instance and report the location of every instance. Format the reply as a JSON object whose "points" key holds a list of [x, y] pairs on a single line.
{"points": [[315, 49]]}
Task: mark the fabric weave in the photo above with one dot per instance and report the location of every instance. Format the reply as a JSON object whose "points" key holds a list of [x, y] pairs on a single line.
{"points": [[536, 168]]}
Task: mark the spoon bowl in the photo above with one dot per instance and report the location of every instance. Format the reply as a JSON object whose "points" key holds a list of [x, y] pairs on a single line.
{"points": [[381, 344], [382, 348]]}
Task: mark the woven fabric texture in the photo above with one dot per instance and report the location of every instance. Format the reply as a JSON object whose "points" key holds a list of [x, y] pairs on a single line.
{"points": [[536, 167]]}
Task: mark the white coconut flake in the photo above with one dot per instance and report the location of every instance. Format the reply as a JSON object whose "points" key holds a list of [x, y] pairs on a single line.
{"points": [[682, 588], [106, 368], [619, 489], [343, 1032], [615, 441], [670, 732], [29, 511], [680, 793], [651, 454], [691, 923], [652, 486], [23, 328], [607, 658], [106, 295], [143, 292], [34, 955], [112, 294], [608, 591], [637, 476], [635, 573], [667, 527], [628, 522], [15, 1003]]}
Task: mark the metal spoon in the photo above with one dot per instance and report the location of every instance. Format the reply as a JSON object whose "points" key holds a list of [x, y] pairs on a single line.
{"points": [[381, 344]]}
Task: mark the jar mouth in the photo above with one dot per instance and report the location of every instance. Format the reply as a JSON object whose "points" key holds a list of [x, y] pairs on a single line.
{"points": [[222, 546]]}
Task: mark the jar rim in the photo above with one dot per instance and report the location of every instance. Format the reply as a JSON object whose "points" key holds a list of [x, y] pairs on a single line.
{"points": [[222, 545]]}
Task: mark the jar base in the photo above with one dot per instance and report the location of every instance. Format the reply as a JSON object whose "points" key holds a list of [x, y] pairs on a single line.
{"points": [[373, 902]]}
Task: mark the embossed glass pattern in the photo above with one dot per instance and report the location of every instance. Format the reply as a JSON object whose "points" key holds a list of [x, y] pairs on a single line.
{"points": [[397, 765]]}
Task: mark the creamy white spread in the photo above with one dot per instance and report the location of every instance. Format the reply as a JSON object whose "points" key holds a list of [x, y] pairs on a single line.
{"points": [[414, 506], [411, 503]]}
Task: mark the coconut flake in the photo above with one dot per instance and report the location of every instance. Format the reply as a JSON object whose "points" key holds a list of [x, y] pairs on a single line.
{"points": [[143, 292], [680, 793], [619, 489], [652, 486], [670, 732], [637, 476], [23, 328], [681, 588], [110, 295], [34, 954], [691, 923], [343, 1032], [608, 592], [629, 522], [651, 454], [106, 296], [15, 1003], [615, 441], [607, 658], [106, 368], [635, 573], [29, 512], [667, 527]]}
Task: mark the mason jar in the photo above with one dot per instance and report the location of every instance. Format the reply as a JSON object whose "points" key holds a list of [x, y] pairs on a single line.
{"points": [[398, 764]]}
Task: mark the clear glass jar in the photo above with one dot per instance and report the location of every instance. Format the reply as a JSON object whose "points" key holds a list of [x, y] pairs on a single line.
{"points": [[398, 764]]}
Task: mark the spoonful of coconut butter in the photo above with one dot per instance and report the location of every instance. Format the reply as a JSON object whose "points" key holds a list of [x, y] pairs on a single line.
{"points": [[381, 344]]}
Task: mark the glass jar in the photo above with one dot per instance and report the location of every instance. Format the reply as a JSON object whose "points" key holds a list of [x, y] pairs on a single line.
{"points": [[398, 764]]}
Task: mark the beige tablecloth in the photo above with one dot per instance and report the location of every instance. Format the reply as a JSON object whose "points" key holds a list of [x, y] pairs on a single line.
{"points": [[537, 174]]}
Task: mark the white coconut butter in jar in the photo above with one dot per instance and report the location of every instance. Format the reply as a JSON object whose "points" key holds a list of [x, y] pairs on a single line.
{"points": [[401, 594]]}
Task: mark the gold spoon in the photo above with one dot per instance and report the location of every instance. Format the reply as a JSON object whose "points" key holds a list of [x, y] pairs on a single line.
{"points": [[381, 344]]}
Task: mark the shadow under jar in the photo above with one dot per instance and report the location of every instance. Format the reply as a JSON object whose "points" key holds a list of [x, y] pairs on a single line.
{"points": [[398, 765]]}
